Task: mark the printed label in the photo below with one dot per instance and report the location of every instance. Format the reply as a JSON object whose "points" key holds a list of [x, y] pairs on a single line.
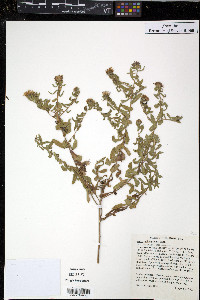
{"points": [[78, 284], [165, 267], [171, 27]]}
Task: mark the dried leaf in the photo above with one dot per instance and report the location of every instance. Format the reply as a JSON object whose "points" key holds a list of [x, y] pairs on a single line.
{"points": [[114, 168], [120, 185], [74, 144], [127, 151], [136, 181], [103, 171], [88, 196], [74, 178]]}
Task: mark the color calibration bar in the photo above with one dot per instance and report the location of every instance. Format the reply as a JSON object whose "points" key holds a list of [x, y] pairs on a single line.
{"points": [[128, 9]]}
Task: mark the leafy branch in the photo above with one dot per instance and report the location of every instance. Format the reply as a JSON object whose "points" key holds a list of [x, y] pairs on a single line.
{"points": [[142, 173]]}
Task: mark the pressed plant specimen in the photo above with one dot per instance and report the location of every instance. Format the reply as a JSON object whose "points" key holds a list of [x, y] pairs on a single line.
{"points": [[141, 174]]}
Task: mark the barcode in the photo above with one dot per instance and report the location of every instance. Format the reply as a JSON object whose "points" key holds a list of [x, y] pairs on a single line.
{"points": [[78, 291]]}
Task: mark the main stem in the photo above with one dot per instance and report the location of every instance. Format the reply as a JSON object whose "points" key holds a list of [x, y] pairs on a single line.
{"points": [[99, 239]]}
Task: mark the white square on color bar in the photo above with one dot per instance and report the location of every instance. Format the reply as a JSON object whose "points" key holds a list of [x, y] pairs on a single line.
{"points": [[32, 277]]}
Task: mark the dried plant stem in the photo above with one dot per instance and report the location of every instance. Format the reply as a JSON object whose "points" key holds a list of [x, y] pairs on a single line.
{"points": [[99, 239], [98, 251], [94, 199]]}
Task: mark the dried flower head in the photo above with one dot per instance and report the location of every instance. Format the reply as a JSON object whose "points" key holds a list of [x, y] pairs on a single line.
{"points": [[109, 71], [90, 102], [138, 122], [136, 65], [158, 84], [105, 93], [30, 93], [76, 89], [144, 99], [58, 79]]}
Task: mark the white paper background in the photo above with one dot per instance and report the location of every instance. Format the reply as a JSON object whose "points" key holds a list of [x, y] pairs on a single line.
{"points": [[32, 277], [47, 216]]}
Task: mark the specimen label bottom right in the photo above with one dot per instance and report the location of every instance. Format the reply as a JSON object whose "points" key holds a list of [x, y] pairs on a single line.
{"points": [[164, 267]]}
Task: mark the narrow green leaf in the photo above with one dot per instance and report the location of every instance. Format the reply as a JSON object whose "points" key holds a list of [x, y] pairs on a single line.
{"points": [[103, 171], [74, 144], [88, 196]]}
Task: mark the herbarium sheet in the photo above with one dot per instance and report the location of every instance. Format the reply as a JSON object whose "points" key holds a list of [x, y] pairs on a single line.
{"points": [[101, 162]]}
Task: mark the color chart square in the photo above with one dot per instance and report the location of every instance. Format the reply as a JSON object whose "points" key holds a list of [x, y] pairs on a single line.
{"points": [[127, 9]]}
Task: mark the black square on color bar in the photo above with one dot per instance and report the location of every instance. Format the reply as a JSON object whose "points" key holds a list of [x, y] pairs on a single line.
{"points": [[128, 8]]}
